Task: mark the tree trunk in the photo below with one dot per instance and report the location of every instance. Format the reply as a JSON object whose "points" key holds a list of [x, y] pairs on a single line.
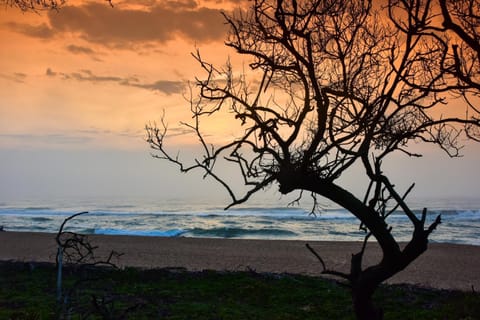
{"points": [[363, 305], [364, 282]]}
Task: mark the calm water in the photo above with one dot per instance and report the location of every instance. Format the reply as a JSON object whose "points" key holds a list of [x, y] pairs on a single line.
{"points": [[267, 220]]}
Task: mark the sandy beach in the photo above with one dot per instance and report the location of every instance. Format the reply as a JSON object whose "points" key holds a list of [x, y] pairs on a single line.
{"points": [[443, 266]]}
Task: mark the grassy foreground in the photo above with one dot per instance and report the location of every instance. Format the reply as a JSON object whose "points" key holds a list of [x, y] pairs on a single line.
{"points": [[29, 292]]}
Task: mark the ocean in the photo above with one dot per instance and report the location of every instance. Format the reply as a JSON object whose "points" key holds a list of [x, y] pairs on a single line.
{"points": [[258, 220]]}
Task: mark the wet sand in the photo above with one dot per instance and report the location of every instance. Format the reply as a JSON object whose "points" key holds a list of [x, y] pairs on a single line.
{"points": [[443, 266]]}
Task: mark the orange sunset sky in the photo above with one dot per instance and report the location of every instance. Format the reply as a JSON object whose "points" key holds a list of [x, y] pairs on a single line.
{"points": [[79, 85]]}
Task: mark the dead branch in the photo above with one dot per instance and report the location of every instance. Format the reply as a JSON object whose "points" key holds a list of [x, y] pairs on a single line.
{"points": [[324, 268]]}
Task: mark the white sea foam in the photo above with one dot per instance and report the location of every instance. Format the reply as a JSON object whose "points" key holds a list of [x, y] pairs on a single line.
{"points": [[152, 233], [270, 221]]}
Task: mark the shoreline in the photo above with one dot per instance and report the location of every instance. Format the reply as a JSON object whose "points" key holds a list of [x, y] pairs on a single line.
{"points": [[442, 266]]}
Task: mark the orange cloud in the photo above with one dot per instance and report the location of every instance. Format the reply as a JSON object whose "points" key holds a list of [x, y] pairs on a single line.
{"points": [[18, 77], [68, 63], [79, 49], [122, 26], [42, 31], [167, 87]]}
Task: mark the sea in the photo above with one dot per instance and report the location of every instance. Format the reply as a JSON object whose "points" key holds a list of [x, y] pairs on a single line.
{"points": [[273, 220]]}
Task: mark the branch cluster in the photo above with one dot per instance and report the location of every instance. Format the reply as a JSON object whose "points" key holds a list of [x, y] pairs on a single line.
{"points": [[34, 5], [333, 84], [338, 84], [38, 5], [77, 249]]}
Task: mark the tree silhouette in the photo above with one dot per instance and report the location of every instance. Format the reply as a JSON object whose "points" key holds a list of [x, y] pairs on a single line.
{"points": [[332, 85], [34, 5], [37, 5], [453, 27], [463, 19]]}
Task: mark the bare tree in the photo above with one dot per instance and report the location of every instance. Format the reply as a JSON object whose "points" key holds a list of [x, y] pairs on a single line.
{"points": [[76, 249], [33, 5], [338, 84], [453, 29], [37, 5], [462, 18]]}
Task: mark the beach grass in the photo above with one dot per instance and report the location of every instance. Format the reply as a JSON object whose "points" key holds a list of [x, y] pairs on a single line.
{"points": [[27, 291]]}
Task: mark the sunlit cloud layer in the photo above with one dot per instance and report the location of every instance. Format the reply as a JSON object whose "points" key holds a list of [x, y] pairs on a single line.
{"points": [[89, 77], [121, 27], [91, 65]]}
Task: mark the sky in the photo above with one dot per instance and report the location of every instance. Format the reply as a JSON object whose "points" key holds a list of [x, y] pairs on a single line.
{"points": [[78, 86]]}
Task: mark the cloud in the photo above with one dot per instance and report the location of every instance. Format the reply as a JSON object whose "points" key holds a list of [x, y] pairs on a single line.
{"points": [[180, 4], [94, 131], [230, 2], [67, 138], [18, 77], [167, 20], [42, 31], [80, 50], [130, 24], [179, 131], [51, 138], [50, 73], [87, 75], [164, 86]]}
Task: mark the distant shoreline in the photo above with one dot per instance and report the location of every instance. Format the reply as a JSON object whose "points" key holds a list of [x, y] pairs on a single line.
{"points": [[443, 266]]}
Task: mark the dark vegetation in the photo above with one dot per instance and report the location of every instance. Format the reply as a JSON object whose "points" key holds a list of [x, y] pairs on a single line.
{"points": [[27, 292]]}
